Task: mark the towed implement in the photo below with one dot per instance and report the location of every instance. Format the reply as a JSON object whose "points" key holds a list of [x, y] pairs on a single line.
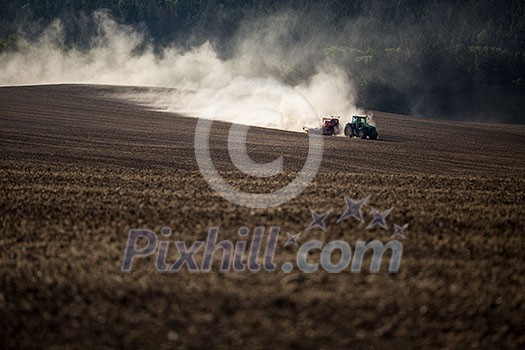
{"points": [[330, 127]]}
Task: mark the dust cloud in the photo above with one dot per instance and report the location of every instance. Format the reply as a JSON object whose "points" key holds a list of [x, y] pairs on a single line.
{"points": [[251, 86]]}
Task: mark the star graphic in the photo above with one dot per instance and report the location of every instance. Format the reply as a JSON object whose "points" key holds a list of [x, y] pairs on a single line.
{"points": [[353, 208], [292, 239], [318, 220], [400, 230], [379, 218]]}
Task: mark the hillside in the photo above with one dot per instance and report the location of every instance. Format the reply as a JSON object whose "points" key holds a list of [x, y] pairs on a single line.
{"points": [[81, 167]]}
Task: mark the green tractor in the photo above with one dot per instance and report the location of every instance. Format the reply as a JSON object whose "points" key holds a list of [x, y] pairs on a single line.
{"points": [[359, 127]]}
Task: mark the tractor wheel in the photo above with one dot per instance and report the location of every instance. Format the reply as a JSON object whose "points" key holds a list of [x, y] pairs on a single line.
{"points": [[373, 136], [348, 131], [362, 134]]}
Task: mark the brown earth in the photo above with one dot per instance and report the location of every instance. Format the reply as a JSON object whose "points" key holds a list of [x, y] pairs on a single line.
{"points": [[80, 168]]}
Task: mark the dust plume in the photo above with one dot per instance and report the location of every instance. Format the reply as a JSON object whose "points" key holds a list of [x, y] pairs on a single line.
{"points": [[258, 83]]}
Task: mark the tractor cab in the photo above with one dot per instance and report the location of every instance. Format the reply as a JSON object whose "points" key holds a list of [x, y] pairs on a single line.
{"points": [[359, 120]]}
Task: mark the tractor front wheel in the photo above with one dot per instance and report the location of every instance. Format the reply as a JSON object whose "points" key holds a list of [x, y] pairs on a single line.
{"points": [[362, 134]]}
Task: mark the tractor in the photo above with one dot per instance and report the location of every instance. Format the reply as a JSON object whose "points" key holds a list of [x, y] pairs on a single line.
{"points": [[359, 127]]}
